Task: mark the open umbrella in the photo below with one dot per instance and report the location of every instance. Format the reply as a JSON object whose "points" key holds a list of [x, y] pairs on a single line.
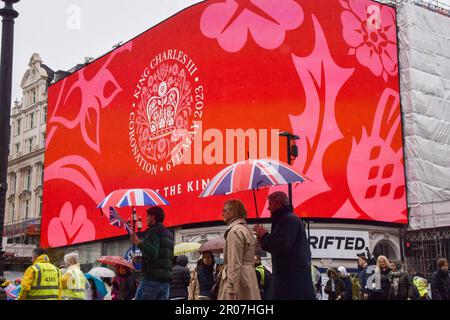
{"points": [[133, 198], [99, 285], [102, 272], [215, 245], [250, 175], [185, 247], [115, 260]]}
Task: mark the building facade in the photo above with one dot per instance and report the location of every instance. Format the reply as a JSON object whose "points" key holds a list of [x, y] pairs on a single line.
{"points": [[26, 156]]}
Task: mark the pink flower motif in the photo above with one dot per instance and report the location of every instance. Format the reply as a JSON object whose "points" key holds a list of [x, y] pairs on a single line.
{"points": [[370, 30], [267, 21], [97, 92], [70, 227]]}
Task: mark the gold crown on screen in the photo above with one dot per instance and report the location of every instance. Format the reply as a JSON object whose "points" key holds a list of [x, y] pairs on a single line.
{"points": [[161, 111]]}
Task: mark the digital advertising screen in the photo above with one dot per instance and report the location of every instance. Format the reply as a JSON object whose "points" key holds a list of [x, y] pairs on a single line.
{"points": [[216, 84]]}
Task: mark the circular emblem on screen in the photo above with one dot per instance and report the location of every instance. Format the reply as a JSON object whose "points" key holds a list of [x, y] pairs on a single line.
{"points": [[166, 110]]}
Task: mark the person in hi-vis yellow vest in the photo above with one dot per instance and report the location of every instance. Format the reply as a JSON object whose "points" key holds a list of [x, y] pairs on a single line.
{"points": [[73, 280], [42, 280]]}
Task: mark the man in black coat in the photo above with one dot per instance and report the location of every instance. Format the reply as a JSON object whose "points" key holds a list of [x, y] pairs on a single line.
{"points": [[291, 255], [180, 279], [440, 282]]}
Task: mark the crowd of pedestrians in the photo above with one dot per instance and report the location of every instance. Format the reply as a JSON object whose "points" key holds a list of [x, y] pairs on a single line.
{"points": [[239, 276]]}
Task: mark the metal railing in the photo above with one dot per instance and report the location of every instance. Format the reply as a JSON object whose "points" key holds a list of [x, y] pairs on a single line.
{"points": [[432, 5], [19, 227]]}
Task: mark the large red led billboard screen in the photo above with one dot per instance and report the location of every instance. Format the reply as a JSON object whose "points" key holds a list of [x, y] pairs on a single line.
{"points": [[215, 84]]}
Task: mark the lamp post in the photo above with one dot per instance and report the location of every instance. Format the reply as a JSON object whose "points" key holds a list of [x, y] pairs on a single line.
{"points": [[292, 152], [8, 14]]}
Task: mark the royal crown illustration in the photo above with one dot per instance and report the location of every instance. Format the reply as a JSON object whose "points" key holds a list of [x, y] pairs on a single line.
{"points": [[161, 111]]}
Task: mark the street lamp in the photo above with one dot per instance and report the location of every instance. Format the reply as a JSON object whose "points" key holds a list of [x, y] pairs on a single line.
{"points": [[6, 64], [292, 153]]}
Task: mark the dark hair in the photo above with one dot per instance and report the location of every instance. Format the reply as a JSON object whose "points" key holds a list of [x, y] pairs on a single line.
{"points": [[157, 212], [441, 262], [39, 251], [200, 261]]}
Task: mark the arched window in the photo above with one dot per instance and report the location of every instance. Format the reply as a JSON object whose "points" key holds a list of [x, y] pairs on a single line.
{"points": [[385, 248]]}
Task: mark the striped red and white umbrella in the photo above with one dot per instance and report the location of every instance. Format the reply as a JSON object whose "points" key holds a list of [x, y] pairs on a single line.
{"points": [[251, 174], [133, 198]]}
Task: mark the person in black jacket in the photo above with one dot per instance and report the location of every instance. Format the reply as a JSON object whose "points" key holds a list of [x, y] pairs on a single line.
{"points": [[363, 275], [291, 255], [440, 282], [402, 287], [335, 287], [180, 279], [202, 280], [157, 255]]}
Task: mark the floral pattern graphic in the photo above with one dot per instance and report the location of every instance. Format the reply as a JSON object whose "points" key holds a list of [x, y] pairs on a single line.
{"points": [[370, 31], [266, 20], [70, 227], [374, 159], [93, 99]]}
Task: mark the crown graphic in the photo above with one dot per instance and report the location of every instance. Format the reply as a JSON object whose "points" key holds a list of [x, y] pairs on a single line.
{"points": [[161, 111]]}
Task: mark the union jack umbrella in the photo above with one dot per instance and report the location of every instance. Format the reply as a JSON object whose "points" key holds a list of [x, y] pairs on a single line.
{"points": [[250, 175], [133, 198]]}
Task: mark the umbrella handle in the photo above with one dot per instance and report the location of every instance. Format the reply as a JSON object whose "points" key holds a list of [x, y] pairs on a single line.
{"points": [[256, 206]]}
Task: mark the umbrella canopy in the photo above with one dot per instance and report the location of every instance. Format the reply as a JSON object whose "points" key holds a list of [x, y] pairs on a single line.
{"points": [[99, 285], [115, 260], [102, 272], [12, 292], [133, 198], [215, 245], [251, 174], [186, 247]]}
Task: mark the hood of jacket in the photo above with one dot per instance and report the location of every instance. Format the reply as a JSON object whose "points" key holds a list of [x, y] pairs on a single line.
{"points": [[43, 258], [182, 261]]}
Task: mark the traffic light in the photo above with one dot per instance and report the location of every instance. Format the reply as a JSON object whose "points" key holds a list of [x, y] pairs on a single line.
{"points": [[408, 249]]}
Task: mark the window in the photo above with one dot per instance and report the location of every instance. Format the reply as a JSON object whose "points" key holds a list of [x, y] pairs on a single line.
{"points": [[31, 120], [33, 96], [386, 249], [44, 115], [28, 179], [29, 144], [18, 126], [43, 139], [11, 212], [26, 207], [17, 149], [13, 184], [42, 174], [40, 206]]}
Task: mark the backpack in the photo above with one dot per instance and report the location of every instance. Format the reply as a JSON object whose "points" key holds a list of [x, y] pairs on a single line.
{"points": [[356, 287]]}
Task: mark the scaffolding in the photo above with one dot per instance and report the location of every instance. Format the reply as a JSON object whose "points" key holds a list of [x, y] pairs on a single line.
{"points": [[427, 247], [432, 5]]}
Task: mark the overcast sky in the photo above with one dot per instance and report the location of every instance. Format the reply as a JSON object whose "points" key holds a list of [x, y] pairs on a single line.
{"points": [[51, 28]]}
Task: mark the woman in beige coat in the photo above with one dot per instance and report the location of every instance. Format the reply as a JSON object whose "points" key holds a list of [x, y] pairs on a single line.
{"points": [[238, 277]]}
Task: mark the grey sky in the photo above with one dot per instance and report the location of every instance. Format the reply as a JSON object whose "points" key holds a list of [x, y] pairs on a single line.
{"points": [[49, 27], [44, 26]]}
